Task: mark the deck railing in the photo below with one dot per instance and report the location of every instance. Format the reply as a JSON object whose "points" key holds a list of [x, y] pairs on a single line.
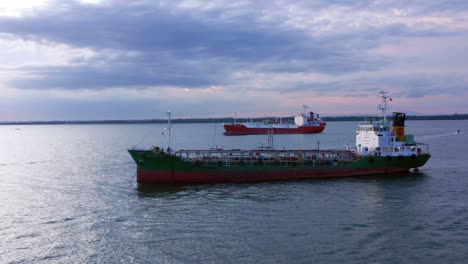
{"points": [[219, 158]]}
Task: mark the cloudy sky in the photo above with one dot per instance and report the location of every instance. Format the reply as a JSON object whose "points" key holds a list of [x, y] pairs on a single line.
{"points": [[119, 59]]}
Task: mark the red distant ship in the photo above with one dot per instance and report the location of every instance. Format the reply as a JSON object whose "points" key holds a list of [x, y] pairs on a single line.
{"points": [[303, 124]]}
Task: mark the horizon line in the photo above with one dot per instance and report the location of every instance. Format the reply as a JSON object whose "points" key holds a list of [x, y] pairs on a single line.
{"points": [[208, 119]]}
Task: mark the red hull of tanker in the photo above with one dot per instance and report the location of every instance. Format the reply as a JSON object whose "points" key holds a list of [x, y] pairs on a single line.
{"points": [[243, 130], [256, 176]]}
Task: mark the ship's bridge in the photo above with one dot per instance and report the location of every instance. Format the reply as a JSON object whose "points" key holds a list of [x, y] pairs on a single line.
{"points": [[380, 139], [367, 139], [385, 137]]}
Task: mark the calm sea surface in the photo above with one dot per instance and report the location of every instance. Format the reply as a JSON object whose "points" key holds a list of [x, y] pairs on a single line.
{"points": [[68, 195]]}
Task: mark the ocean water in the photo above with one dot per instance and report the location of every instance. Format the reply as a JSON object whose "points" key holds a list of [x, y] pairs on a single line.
{"points": [[68, 194]]}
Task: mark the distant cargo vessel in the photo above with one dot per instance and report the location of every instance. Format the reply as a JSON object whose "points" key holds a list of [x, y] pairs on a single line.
{"points": [[303, 124], [381, 148]]}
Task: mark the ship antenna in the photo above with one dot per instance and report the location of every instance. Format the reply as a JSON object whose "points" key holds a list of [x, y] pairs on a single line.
{"points": [[383, 105], [170, 131], [304, 107]]}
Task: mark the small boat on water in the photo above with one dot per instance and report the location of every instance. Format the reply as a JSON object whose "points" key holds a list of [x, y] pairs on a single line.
{"points": [[382, 147], [305, 123]]}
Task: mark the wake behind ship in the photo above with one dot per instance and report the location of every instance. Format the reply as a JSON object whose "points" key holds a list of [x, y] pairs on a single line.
{"points": [[382, 147]]}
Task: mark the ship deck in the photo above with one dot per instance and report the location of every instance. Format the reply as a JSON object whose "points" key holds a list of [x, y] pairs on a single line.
{"points": [[267, 157]]}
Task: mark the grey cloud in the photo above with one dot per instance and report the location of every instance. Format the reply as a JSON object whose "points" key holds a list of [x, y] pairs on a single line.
{"points": [[410, 86], [176, 47], [131, 74], [149, 29]]}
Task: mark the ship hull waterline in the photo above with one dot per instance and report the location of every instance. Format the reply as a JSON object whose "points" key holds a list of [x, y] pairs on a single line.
{"points": [[173, 170]]}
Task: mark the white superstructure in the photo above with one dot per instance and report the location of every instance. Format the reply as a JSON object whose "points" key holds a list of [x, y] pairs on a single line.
{"points": [[384, 137], [305, 119]]}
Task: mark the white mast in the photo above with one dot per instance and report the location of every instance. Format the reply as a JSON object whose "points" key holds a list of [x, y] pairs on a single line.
{"points": [[383, 105], [170, 131], [304, 109]]}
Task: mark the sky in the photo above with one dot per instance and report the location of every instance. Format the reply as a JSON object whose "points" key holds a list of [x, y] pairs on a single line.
{"points": [[119, 59]]}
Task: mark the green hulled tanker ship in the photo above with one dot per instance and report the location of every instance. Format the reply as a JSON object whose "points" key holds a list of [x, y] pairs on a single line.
{"points": [[381, 148]]}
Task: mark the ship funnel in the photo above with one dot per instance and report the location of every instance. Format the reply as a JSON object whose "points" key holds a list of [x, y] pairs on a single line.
{"points": [[311, 116], [398, 127]]}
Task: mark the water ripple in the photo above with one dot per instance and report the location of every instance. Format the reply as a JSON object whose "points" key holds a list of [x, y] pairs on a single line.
{"points": [[72, 199]]}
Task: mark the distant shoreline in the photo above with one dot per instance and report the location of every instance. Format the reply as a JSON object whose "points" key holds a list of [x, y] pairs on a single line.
{"points": [[224, 120]]}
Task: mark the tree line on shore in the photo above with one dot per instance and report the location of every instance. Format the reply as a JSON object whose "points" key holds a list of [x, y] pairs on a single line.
{"points": [[230, 120]]}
